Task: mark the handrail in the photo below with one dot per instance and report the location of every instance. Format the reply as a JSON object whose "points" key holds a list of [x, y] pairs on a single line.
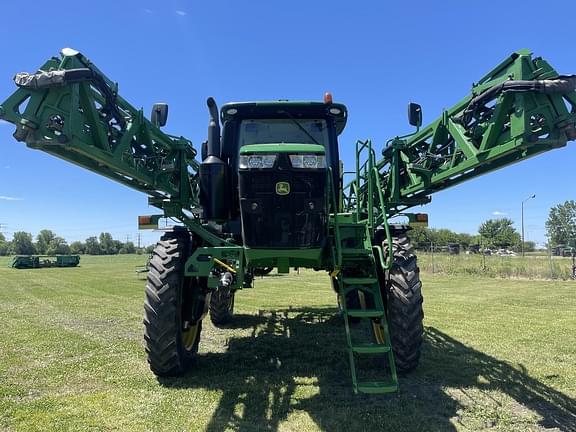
{"points": [[336, 225], [389, 258], [370, 196], [368, 172]]}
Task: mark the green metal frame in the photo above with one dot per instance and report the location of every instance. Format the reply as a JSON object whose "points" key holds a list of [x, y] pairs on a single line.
{"points": [[459, 145], [74, 122]]}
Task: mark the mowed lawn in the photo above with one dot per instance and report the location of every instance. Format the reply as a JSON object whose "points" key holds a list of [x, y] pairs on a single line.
{"points": [[499, 355]]}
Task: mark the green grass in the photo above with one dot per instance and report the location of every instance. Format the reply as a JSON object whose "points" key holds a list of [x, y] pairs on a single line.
{"points": [[499, 355]]}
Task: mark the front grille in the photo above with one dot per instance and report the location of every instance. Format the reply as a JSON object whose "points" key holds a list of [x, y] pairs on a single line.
{"points": [[295, 220]]}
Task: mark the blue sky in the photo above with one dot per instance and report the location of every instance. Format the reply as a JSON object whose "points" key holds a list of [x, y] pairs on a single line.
{"points": [[374, 56]]}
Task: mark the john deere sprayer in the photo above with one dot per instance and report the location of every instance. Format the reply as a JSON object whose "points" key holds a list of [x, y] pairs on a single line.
{"points": [[266, 190]]}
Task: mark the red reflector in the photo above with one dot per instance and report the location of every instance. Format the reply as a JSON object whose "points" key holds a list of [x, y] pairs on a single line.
{"points": [[421, 217]]}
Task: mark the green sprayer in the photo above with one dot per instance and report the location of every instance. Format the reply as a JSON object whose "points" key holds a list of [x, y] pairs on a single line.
{"points": [[268, 191], [43, 261]]}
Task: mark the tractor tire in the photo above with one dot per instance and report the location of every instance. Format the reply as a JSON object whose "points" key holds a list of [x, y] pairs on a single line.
{"points": [[403, 298], [263, 271], [171, 337], [221, 306]]}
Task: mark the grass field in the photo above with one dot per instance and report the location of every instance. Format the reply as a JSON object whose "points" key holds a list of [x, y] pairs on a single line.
{"points": [[499, 355]]}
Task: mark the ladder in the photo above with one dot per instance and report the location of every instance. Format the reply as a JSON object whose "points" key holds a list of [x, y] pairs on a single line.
{"points": [[356, 252]]}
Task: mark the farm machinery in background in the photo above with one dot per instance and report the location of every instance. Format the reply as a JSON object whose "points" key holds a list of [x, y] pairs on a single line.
{"points": [[564, 250], [43, 261], [268, 191]]}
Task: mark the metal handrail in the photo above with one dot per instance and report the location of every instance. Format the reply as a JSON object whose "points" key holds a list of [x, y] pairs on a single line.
{"points": [[336, 224], [389, 258]]}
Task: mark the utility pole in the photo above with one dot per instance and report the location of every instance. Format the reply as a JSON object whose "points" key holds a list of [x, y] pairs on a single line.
{"points": [[139, 239], [530, 197]]}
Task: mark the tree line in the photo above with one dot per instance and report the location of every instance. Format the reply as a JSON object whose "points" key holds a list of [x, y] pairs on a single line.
{"points": [[48, 243], [501, 234], [561, 224], [493, 233]]}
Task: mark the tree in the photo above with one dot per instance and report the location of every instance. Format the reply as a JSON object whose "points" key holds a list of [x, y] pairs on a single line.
{"points": [[420, 237], [561, 223], [529, 246], [116, 246], [423, 237], [4, 245], [467, 239], [58, 246], [92, 246], [499, 233], [22, 243], [107, 244], [78, 247], [128, 248], [43, 240]]}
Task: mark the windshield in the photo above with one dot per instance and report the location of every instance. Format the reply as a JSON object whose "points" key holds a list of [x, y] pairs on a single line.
{"points": [[277, 131]]}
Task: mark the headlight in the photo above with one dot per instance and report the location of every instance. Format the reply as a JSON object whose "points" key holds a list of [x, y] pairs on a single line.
{"points": [[308, 161], [257, 161]]}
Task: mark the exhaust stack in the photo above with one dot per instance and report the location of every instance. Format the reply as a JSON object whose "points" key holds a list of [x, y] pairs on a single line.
{"points": [[214, 172]]}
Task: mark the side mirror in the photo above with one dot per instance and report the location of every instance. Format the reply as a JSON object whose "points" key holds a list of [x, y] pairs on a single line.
{"points": [[159, 114], [415, 114]]}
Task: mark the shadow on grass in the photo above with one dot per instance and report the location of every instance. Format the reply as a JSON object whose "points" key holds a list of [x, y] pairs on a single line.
{"points": [[291, 354]]}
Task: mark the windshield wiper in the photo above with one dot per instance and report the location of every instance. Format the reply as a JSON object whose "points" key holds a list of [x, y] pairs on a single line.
{"points": [[297, 123]]}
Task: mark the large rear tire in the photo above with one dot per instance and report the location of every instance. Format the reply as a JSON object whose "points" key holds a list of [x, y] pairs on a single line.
{"points": [[173, 308], [403, 297]]}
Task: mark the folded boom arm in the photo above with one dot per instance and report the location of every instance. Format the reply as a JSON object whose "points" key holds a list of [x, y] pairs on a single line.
{"points": [[71, 110], [519, 109]]}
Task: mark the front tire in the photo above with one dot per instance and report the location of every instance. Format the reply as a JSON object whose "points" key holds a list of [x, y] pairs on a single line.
{"points": [[403, 297], [221, 306], [172, 309]]}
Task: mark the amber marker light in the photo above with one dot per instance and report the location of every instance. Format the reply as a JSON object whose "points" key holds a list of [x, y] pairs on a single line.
{"points": [[144, 220]]}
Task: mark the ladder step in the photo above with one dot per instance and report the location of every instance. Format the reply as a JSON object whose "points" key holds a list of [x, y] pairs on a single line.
{"points": [[365, 313], [370, 348], [375, 387], [360, 281]]}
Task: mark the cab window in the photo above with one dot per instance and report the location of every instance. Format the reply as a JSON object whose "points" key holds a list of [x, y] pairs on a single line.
{"points": [[278, 131]]}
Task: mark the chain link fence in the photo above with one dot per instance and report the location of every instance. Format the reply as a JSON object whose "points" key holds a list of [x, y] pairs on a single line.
{"points": [[531, 266]]}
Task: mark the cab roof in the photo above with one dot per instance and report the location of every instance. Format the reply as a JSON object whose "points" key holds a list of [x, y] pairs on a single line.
{"points": [[277, 109]]}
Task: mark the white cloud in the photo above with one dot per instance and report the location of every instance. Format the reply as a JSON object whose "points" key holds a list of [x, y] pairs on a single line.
{"points": [[181, 13], [499, 213], [7, 198]]}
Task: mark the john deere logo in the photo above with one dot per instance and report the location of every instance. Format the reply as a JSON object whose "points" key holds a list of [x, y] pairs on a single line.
{"points": [[282, 188]]}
